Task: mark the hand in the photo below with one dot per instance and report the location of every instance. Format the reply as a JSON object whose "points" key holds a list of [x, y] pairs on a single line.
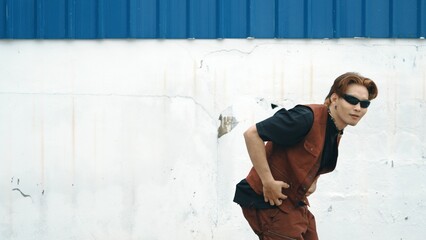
{"points": [[272, 192]]}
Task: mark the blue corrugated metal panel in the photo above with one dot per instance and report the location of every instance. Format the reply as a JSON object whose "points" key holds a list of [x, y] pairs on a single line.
{"points": [[262, 19], [83, 19], [2, 18], [291, 18], [233, 19], [143, 19], [173, 21], [202, 19], [320, 19], [91, 19], [405, 15], [377, 18], [114, 18], [52, 21], [350, 18], [422, 18], [21, 18]]}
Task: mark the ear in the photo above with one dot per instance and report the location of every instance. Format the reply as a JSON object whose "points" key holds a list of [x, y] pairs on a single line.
{"points": [[334, 97]]}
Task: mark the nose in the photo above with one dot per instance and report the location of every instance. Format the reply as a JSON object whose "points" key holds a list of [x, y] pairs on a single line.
{"points": [[357, 107]]}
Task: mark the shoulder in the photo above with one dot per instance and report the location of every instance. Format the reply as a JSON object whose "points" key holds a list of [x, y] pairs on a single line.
{"points": [[299, 115], [316, 107], [320, 112], [303, 111]]}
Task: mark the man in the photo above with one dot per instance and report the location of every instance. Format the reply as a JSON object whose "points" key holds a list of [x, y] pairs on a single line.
{"points": [[301, 144]]}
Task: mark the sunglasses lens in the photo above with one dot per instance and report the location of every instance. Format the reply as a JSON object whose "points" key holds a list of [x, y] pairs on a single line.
{"points": [[365, 104], [354, 101], [351, 100]]}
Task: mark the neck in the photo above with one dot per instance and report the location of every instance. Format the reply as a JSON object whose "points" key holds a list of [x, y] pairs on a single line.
{"points": [[332, 113]]}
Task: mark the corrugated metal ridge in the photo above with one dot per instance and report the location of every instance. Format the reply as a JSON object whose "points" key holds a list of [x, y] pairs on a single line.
{"points": [[210, 19]]}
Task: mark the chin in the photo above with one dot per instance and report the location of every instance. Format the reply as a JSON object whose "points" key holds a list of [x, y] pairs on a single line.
{"points": [[352, 124]]}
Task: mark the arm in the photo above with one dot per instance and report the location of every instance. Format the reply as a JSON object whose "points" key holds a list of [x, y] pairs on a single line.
{"points": [[272, 189]]}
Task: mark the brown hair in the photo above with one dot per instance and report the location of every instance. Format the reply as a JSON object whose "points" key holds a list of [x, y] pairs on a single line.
{"points": [[342, 82]]}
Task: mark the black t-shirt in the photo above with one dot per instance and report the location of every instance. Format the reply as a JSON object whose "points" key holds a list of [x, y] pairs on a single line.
{"points": [[287, 128]]}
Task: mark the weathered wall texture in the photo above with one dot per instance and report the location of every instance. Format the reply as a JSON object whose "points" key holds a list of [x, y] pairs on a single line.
{"points": [[119, 139]]}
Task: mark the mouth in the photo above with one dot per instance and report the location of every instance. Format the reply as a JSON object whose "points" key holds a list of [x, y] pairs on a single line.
{"points": [[354, 116]]}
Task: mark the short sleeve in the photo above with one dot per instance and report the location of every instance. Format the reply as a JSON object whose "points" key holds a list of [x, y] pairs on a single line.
{"points": [[286, 127]]}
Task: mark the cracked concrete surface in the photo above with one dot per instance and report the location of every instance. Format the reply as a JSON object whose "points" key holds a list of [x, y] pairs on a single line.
{"points": [[118, 139]]}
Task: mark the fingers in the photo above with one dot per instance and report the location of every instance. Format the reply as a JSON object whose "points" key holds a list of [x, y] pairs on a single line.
{"points": [[273, 192], [270, 200], [284, 185], [282, 197], [276, 201]]}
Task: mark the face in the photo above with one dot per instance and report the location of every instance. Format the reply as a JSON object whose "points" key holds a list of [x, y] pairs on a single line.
{"points": [[346, 113]]}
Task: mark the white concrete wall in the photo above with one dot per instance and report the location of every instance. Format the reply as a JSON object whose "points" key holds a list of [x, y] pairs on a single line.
{"points": [[118, 139]]}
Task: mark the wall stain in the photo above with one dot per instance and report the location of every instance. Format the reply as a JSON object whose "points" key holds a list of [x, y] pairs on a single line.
{"points": [[42, 142], [23, 194], [194, 79], [73, 140]]}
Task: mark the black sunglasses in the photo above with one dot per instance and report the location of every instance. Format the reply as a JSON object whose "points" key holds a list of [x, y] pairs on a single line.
{"points": [[354, 101]]}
